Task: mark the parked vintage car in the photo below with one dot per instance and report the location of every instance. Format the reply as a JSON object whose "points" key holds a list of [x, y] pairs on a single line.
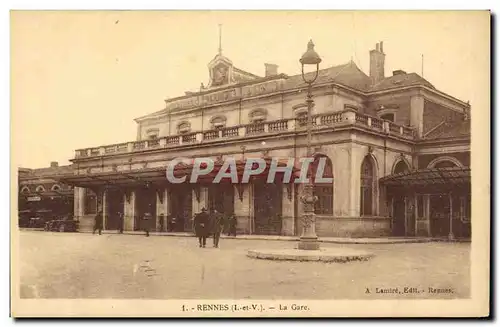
{"points": [[65, 224]]}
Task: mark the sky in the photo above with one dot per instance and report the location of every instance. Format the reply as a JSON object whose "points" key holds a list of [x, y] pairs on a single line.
{"points": [[78, 79]]}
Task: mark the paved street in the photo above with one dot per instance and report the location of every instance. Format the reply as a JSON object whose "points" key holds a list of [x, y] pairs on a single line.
{"points": [[71, 265]]}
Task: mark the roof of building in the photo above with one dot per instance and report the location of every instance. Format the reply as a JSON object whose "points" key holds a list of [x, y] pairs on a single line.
{"points": [[400, 80], [347, 74], [429, 176], [46, 171], [449, 129]]}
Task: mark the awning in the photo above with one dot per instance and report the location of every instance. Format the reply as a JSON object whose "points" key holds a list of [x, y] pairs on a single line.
{"points": [[157, 175], [434, 176]]}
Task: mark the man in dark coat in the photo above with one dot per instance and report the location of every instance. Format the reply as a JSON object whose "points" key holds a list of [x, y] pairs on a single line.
{"points": [[120, 222], [232, 225], [201, 226], [217, 226], [98, 222], [147, 222]]}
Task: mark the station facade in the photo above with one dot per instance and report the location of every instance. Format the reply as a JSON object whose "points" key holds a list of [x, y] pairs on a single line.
{"points": [[398, 150]]}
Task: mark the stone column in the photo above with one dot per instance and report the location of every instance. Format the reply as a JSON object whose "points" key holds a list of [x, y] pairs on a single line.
{"points": [[243, 208], [161, 209], [129, 211], [287, 208], [417, 113]]}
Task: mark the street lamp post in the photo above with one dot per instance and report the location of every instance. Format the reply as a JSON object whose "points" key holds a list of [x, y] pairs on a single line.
{"points": [[309, 239]]}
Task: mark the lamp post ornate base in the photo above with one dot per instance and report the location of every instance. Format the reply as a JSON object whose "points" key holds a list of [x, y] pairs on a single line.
{"points": [[308, 240]]}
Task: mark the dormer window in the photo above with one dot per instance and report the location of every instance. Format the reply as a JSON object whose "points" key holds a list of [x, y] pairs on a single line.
{"points": [[218, 122], [152, 133], [183, 127], [258, 115]]}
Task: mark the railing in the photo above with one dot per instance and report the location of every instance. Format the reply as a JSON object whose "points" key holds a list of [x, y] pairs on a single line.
{"points": [[210, 135], [331, 119], [153, 143], [189, 138], [230, 132], [362, 119], [277, 126], [393, 128], [408, 131], [256, 128], [342, 118], [172, 140], [377, 123]]}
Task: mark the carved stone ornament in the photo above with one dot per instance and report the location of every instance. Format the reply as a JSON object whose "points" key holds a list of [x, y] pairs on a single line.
{"points": [[89, 170], [114, 168], [370, 149], [307, 220], [128, 194]]}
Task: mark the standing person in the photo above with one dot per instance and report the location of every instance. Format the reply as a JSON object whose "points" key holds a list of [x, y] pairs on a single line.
{"points": [[120, 222], [146, 221], [201, 225], [98, 222], [217, 226], [232, 225]]}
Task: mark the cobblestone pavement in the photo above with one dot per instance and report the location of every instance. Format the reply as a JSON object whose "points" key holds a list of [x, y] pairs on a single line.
{"points": [[72, 265]]}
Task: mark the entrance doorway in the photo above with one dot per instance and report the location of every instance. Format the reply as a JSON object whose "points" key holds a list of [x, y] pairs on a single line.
{"points": [[114, 207], [221, 198], [398, 216], [145, 202], [181, 207], [267, 208]]}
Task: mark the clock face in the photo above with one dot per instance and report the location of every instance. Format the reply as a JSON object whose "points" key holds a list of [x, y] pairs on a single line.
{"points": [[220, 75]]}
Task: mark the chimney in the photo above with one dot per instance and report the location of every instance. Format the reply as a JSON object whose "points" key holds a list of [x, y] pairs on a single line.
{"points": [[54, 164], [398, 72], [377, 60], [271, 70]]}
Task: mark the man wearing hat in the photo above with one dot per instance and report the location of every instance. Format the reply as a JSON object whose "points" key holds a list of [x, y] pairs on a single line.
{"points": [[201, 226]]}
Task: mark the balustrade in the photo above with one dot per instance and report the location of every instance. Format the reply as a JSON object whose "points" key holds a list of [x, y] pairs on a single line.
{"points": [[329, 119], [189, 138], [210, 135], [230, 132], [377, 123], [256, 128], [280, 125]]}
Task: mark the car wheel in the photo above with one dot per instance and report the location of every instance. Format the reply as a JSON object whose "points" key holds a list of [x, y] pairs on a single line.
{"points": [[61, 228]]}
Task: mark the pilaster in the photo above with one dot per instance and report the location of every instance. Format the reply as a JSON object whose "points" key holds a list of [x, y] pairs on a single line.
{"points": [[287, 210], [243, 208], [417, 113], [129, 210]]}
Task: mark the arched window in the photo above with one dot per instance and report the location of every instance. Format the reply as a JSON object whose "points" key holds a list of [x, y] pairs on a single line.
{"points": [[258, 115], [324, 191], [218, 122], [40, 189], [56, 188], [401, 167], [445, 164], [367, 186], [183, 127], [25, 190], [153, 133]]}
